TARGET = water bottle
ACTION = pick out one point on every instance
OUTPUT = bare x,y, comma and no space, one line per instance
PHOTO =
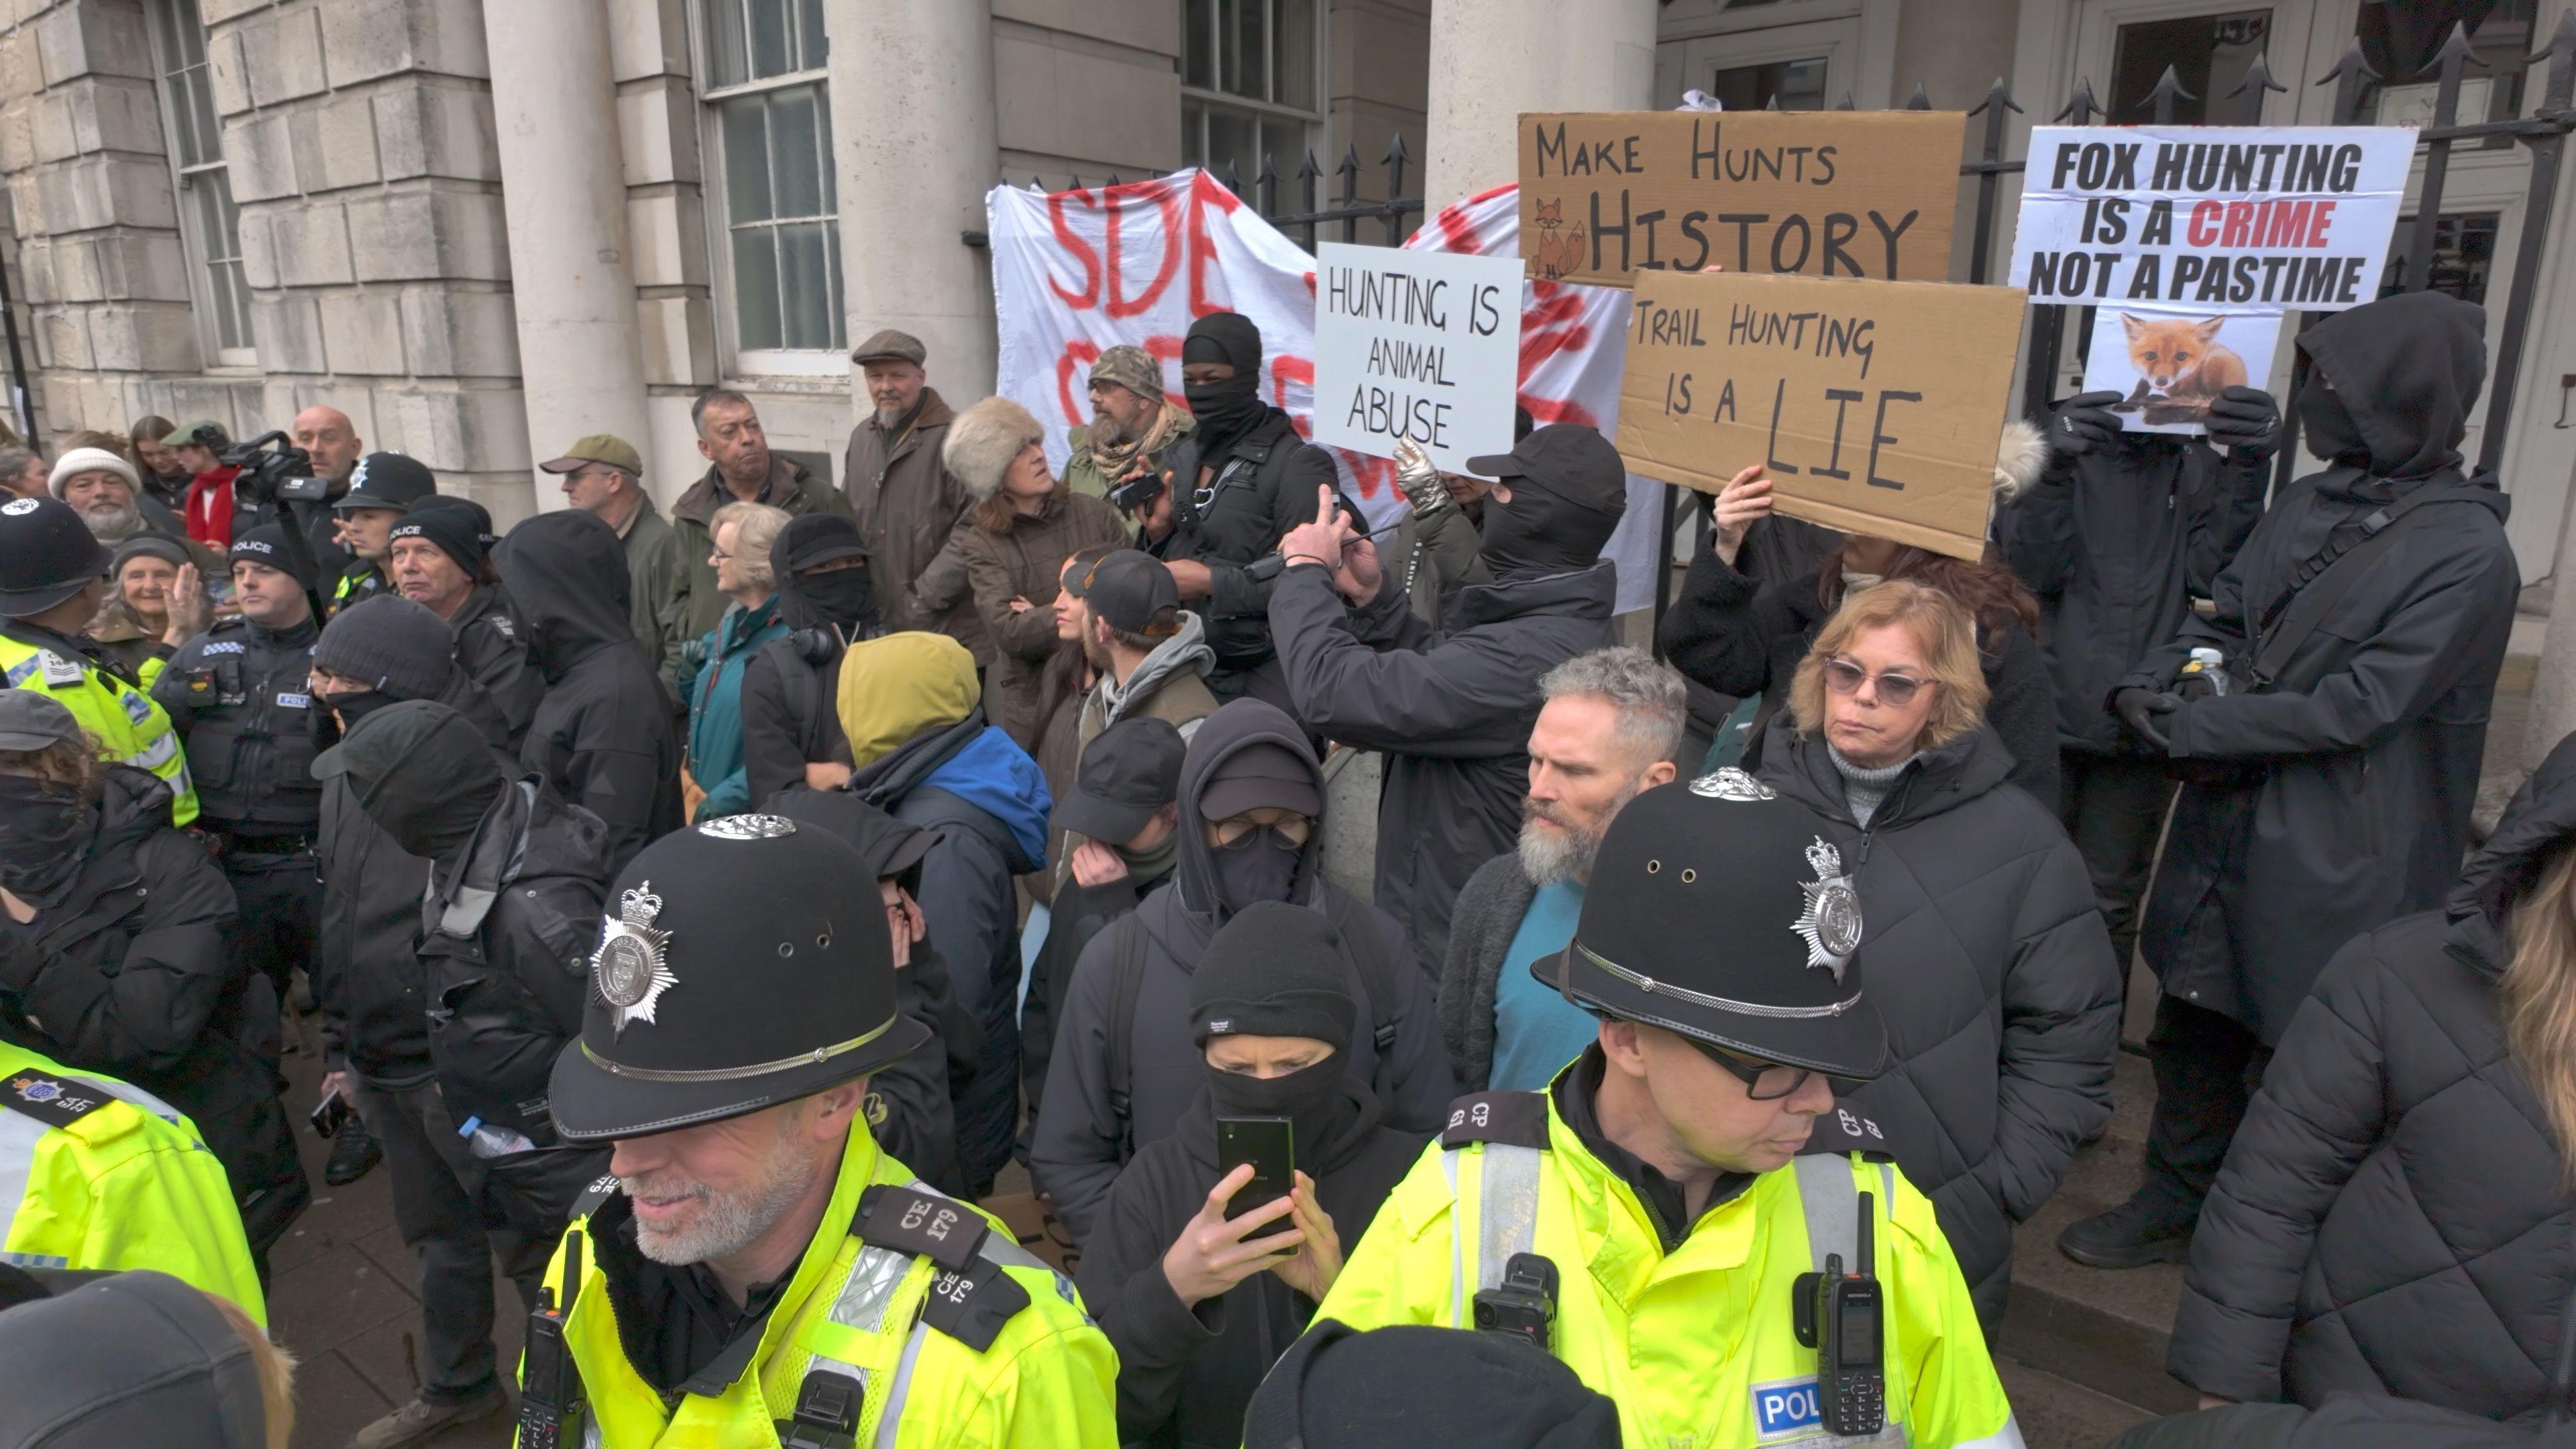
2205,675
489,1140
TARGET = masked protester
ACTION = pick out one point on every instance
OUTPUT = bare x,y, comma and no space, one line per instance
606,735
115,953
1337,1388
1251,803
1196,1301
791,734
1234,491
1452,707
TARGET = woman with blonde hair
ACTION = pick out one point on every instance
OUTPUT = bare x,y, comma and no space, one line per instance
2394,1218
1984,951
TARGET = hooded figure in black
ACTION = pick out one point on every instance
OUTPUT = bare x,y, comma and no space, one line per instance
2336,797
1125,1065
491,642
1414,1384
1237,486
513,911
827,599
1452,707
1273,1016
606,735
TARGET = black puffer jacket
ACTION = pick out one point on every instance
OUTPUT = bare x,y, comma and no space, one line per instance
2391,1218
2363,759
1264,482
131,974
492,647
2115,543
1984,952
1452,709
606,735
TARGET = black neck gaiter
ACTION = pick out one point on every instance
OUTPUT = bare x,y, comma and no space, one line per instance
46,830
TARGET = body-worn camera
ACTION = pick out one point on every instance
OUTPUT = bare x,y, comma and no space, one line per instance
1525,1305
273,469
1839,1315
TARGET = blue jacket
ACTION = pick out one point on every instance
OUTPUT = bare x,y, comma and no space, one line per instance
715,705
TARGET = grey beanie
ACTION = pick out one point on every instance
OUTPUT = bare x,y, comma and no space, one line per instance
391,643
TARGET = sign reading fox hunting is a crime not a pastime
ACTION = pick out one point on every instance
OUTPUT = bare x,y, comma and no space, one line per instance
1610,195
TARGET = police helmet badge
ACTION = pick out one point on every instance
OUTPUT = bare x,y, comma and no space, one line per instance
1831,922
1730,783
628,969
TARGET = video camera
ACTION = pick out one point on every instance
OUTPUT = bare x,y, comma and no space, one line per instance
273,470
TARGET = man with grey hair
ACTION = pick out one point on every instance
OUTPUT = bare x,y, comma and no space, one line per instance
1612,721
741,469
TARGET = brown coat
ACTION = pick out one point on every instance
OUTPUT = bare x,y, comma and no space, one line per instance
788,486
1023,563
907,503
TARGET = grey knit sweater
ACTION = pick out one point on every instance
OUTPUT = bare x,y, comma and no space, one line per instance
1489,912
1864,789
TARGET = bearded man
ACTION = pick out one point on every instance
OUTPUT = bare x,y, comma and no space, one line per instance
1135,429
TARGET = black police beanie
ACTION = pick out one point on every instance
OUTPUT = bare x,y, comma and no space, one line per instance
1338,1388
266,544
451,524
392,644
1274,970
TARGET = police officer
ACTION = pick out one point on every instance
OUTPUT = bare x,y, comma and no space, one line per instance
99,1174
50,588
238,694
710,1291
1676,1217
381,488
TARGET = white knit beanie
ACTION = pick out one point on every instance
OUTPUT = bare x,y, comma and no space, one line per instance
91,460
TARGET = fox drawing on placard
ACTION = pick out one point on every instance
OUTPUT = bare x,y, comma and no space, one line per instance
1557,251
2181,365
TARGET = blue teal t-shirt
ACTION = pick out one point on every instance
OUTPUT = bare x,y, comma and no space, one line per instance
1536,1031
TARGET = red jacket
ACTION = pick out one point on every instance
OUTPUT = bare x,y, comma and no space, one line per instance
210,508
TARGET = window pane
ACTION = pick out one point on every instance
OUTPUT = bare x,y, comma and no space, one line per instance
191,31
2209,54
232,307
1230,139
840,319
769,37
755,287
726,63
1193,133
745,123
804,280
1252,75
1798,85
795,159
823,149
1198,18
1295,49
194,98
2463,255
813,47
1229,50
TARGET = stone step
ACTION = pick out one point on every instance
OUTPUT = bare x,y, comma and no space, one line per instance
2055,1412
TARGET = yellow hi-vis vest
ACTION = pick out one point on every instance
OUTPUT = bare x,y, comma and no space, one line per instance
1697,1347
130,728
996,1354
99,1174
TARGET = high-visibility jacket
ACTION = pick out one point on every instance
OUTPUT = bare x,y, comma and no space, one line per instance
981,1346
1698,1347
99,1174
130,728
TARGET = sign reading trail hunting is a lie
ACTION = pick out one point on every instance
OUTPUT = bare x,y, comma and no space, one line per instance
1606,195
2212,218
1874,406
1416,347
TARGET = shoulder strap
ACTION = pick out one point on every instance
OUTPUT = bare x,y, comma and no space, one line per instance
1126,987
1513,1119
52,1100
2321,582
1385,1003
971,1298
1829,1198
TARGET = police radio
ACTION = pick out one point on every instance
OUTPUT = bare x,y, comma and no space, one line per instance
550,1398
1525,1305
1838,1315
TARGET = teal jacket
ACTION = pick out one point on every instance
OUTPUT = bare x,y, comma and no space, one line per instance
715,704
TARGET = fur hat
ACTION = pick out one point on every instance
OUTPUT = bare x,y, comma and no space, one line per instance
983,441
2021,455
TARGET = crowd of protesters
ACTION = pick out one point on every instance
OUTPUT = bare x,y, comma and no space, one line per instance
361,757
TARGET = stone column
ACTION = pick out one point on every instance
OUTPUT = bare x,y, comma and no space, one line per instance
1494,59
914,149
563,194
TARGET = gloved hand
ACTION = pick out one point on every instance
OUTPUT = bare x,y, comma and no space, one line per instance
2143,711
2245,421
2081,424
1419,480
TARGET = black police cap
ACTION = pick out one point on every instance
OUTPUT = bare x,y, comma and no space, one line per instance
743,962
46,555
1718,910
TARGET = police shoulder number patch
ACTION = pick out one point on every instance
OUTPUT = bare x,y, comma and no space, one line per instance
49,1099
1514,1119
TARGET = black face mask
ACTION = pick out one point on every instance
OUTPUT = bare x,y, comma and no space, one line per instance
1261,866
45,834
330,710
2331,431
841,598
1541,533
1311,1098
1227,406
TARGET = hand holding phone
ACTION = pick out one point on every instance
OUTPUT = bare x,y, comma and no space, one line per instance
1215,1252
332,1115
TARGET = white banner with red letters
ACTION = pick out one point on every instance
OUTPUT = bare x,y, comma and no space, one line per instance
1077,272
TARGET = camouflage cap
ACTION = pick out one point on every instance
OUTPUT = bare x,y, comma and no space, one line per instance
1132,368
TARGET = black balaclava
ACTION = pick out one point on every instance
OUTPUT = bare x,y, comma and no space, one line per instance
46,830
422,773
843,599
1224,409
1278,970
2331,432
1541,532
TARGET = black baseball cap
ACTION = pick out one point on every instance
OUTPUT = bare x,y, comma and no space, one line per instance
1128,771
1719,910
1569,460
387,480
1133,591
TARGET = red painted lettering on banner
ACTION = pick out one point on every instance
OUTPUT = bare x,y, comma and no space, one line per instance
1079,352
1157,194
1205,193
1076,248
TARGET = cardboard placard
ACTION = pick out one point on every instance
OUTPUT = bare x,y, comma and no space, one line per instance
1606,195
1416,346
1875,406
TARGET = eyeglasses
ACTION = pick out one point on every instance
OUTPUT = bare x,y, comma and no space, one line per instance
1844,677
1763,1081
1235,832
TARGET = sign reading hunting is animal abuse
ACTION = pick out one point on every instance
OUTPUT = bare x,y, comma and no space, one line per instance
1416,346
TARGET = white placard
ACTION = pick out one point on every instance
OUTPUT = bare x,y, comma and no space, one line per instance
2168,363
1416,346
2215,219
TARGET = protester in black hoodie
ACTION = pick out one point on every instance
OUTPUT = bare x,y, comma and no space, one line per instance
1124,1064
1452,707
606,735
2336,795
1412,1385
791,735
1197,1305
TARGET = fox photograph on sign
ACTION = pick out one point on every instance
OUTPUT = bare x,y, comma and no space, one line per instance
1874,406
1607,196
